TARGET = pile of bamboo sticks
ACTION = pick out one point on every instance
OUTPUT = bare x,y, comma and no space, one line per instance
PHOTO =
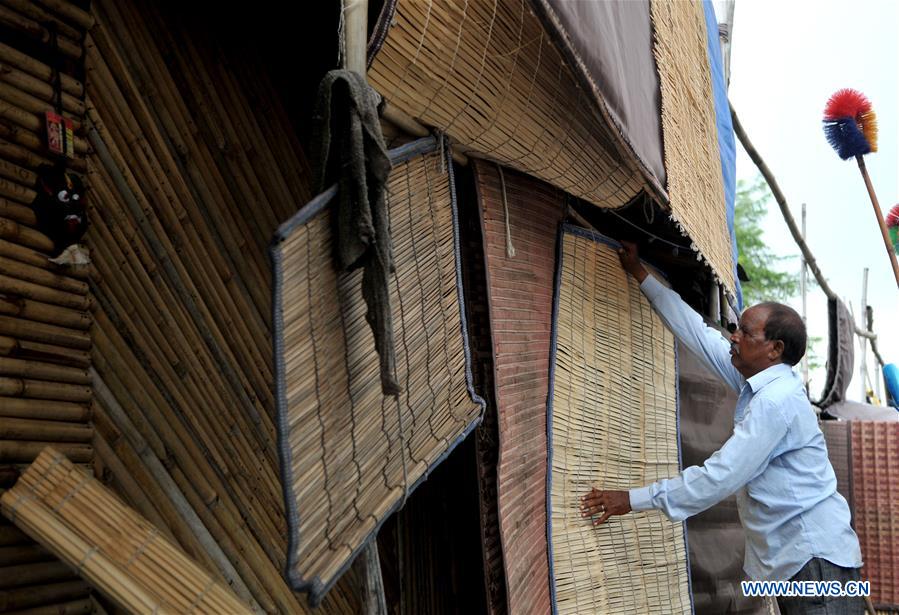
45,318
110,545
193,165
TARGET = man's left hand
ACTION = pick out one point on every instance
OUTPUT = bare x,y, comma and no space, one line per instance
605,503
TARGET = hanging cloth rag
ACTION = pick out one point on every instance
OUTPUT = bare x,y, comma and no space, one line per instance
350,149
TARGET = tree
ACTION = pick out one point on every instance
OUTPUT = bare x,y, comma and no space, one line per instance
766,282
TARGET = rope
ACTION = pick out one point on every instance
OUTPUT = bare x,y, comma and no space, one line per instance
510,249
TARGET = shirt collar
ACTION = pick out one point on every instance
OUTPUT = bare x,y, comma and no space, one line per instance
767,375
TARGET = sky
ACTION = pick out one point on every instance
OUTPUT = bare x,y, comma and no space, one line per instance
787,58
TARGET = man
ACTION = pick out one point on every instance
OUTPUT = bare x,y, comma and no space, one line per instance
796,524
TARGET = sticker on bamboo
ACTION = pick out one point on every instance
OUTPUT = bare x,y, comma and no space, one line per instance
612,425
108,544
350,455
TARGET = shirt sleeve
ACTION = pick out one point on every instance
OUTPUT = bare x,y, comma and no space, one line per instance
743,457
707,343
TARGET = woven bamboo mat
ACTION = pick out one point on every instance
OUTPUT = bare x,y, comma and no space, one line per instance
875,505
71,514
485,72
520,291
839,452
349,454
692,160
613,425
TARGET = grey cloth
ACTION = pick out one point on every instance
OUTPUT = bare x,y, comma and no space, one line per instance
350,149
840,353
819,569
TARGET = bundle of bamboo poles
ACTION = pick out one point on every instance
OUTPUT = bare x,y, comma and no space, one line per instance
193,166
109,544
45,318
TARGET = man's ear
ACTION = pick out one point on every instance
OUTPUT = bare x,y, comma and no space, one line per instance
777,350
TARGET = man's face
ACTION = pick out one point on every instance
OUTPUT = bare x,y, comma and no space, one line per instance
750,352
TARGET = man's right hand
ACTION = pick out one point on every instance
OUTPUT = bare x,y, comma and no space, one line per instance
630,261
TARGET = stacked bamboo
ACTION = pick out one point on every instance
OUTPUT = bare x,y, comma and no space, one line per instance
193,166
45,318
109,544
613,425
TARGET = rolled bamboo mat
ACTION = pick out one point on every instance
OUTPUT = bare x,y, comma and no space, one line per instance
612,425
689,128
486,73
350,455
875,505
526,213
110,545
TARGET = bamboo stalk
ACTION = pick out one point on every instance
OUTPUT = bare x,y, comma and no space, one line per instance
33,574
17,173
21,156
43,371
26,243
69,12
38,389
44,353
34,123
25,554
32,257
15,407
14,451
72,607
43,72
45,431
37,275
35,30
45,312
49,593
33,105
34,12
12,190
16,211
34,142
38,292
39,88
32,330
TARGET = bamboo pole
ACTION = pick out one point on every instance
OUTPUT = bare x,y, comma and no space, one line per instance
39,15
68,11
42,371
48,593
38,389
72,607
38,292
32,105
25,554
37,275
45,312
33,123
44,333
44,353
45,431
23,214
14,451
30,256
11,57
39,88
21,156
17,173
35,30
44,410
34,142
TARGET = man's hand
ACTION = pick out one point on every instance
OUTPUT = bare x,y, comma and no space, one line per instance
630,261
605,503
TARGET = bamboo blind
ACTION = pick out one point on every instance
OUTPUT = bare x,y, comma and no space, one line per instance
613,425
486,73
75,517
349,454
692,160
194,163
875,505
45,314
525,212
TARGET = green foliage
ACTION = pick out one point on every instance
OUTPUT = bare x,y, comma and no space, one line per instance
766,282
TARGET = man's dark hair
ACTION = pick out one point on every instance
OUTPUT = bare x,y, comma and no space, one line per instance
786,325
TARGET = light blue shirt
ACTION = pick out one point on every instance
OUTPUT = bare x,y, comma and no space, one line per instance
775,461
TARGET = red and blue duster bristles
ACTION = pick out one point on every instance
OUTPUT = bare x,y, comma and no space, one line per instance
893,226
850,124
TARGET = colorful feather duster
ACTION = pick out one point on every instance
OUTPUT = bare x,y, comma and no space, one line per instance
893,226
850,127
